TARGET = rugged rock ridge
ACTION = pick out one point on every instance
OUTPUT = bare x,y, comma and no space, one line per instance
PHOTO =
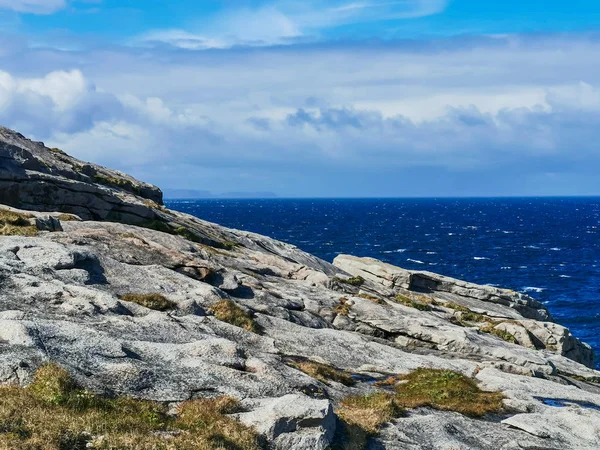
35,177
62,299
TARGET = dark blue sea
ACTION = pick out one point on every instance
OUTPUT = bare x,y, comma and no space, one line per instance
546,247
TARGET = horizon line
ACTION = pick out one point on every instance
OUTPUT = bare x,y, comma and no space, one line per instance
591,196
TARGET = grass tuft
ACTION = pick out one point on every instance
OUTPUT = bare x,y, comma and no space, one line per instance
406,301
157,302
227,311
369,412
68,218
187,234
372,298
230,245
362,416
16,224
468,317
446,390
505,335
343,307
324,372
354,281
122,183
54,414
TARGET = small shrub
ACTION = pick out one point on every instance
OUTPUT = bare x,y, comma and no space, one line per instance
227,311
324,372
157,302
446,390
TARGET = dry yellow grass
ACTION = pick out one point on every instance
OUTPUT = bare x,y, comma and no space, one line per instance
343,307
369,412
363,416
52,414
374,299
157,302
324,372
16,224
228,311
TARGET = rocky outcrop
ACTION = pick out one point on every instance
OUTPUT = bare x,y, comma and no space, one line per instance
63,299
35,177
468,294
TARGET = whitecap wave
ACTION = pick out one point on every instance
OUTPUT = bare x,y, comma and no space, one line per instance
480,258
533,289
415,261
399,250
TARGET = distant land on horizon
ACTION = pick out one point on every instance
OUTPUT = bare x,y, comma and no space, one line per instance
193,194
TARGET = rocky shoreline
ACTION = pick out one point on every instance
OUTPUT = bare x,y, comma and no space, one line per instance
82,249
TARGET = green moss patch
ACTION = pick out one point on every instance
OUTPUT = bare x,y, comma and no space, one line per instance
446,390
420,303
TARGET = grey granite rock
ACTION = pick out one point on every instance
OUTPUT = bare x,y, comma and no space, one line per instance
61,300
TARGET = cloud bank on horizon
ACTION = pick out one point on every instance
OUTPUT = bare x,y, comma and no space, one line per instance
314,98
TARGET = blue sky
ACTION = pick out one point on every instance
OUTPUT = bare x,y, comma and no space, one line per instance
314,97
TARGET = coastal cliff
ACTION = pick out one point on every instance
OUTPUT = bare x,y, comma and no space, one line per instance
132,300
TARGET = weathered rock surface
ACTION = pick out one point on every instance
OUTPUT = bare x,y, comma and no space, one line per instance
60,301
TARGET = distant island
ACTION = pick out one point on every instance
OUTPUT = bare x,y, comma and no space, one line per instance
188,194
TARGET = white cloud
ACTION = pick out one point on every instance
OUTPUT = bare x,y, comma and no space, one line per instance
33,6
487,107
286,21
59,101
326,13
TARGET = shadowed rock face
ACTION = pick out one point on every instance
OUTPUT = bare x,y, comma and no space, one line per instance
33,176
61,301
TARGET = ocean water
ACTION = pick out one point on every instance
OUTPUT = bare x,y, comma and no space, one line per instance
548,248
